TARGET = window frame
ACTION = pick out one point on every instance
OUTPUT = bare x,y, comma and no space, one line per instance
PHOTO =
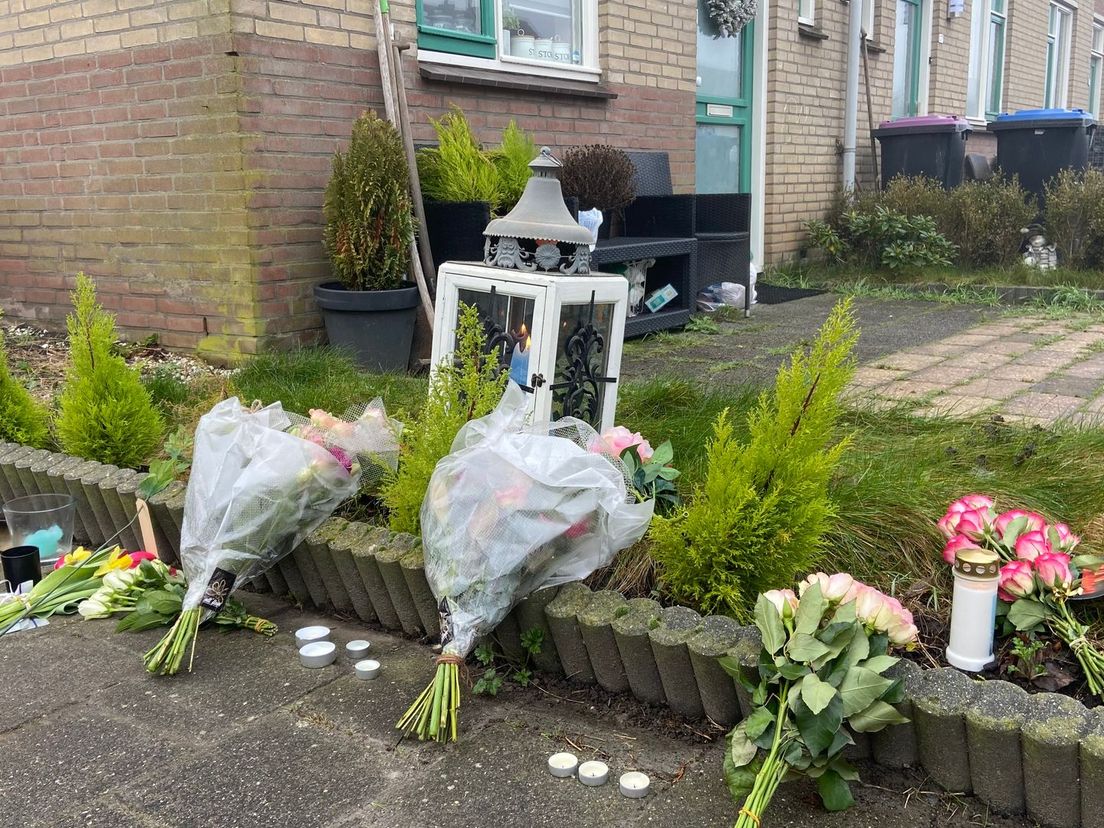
985,74
484,51
806,12
1096,65
1058,51
869,19
916,96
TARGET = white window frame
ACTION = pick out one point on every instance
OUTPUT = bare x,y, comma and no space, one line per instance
1096,58
981,69
868,20
1059,47
806,12
588,70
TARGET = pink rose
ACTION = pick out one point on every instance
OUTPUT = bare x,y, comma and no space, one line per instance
784,600
1031,545
868,604
1035,522
1053,569
578,529
902,631
618,438
834,588
954,545
1017,580
970,503
1061,536
972,523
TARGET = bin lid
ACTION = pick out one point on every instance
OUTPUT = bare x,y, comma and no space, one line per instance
918,124
1035,118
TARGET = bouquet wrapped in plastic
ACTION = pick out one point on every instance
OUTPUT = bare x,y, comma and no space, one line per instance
261,481
513,509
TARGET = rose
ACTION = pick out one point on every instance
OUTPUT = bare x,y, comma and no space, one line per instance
868,603
1017,580
955,544
972,523
618,438
784,600
1061,536
1031,545
969,502
1053,569
141,555
1035,522
834,588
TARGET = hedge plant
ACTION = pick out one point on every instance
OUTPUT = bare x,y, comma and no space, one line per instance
22,419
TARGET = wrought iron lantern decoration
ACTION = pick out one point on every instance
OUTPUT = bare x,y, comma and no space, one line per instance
553,325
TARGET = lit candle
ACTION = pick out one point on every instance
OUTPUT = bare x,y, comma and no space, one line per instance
973,609
562,764
593,773
519,362
369,668
634,784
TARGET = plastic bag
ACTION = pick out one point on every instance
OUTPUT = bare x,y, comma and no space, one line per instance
516,508
261,481
723,294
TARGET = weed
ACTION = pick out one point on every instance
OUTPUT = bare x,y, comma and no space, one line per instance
496,670
702,324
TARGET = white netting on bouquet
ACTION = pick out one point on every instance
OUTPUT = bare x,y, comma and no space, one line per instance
515,508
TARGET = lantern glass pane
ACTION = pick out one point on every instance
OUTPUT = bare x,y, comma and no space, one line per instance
507,320
582,353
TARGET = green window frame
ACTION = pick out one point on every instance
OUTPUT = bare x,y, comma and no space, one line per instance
998,22
437,39
1059,35
1096,66
740,106
912,59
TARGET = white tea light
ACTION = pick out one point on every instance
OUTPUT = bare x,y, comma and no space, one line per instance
369,668
305,635
973,609
562,764
318,654
593,773
357,649
634,784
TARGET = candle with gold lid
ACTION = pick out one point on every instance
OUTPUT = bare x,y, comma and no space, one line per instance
973,609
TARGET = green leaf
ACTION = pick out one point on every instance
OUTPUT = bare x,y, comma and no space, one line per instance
860,688
755,724
879,715
770,626
1013,531
163,602
668,473
819,729
731,666
816,694
740,780
664,454
1027,614
841,740
879,664
741,750
834,792
803,647
810,610
790,670
844,769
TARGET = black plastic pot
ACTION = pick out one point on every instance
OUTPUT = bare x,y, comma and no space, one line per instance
375,326
456,230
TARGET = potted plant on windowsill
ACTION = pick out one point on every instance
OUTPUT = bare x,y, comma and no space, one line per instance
370,309
601,177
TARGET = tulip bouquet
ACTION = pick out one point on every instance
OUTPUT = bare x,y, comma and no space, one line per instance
261,481
1040,575
821,672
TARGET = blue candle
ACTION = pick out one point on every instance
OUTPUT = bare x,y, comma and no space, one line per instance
519,363
46,540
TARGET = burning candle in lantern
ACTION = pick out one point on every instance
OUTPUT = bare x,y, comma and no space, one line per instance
519,362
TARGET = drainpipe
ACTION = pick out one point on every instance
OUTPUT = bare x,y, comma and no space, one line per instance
851,96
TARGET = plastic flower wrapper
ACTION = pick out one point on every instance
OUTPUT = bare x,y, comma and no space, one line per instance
261,481
513,509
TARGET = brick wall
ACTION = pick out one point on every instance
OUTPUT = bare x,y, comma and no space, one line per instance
1025,65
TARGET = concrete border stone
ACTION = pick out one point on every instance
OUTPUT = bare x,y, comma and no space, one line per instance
364,556
1092,772
413,570
630,631
668,635
15,482
717,688
388,557
316,588
994,718
595,620
23,470
530,616
341,551
318,545
939,701
563,622
90,482
1052,735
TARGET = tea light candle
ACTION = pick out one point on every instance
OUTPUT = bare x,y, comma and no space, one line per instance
634,784
593,773
562,764
307,635
357,649
369,668
519,362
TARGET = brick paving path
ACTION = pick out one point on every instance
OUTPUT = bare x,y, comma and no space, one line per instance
1030,370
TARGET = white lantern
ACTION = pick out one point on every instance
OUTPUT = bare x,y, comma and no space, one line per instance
553,325
973,609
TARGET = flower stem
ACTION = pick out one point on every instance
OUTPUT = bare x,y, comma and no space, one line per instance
770,775
434,713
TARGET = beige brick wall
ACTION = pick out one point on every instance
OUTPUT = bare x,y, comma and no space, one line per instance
1025,66
950,61
648,43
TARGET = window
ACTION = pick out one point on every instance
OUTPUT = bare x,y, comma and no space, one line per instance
1096,64
868,19
908,47
1056,93
806,11
541,34
986,72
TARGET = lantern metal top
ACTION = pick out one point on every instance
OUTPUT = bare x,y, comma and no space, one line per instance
541,216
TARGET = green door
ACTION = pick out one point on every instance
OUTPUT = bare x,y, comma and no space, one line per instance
723,156
908,46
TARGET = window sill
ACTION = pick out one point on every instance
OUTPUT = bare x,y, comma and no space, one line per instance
808,30
502,79
874,47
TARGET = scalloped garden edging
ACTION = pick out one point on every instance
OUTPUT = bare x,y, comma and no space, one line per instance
1039,754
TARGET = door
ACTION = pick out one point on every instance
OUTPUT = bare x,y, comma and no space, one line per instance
908,52
723,147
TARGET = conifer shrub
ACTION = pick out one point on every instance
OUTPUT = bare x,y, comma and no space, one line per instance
759,518
22,419
511,159
466,387
104,411
458,169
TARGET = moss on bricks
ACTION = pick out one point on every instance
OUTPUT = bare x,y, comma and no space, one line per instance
163,522
11,474
387,558
318,545
23,469
717,688
595,620
530,616
90,482
364,556
993,721
1052,734
1092,772
896,746
939,712
90,528
413,570
669,635
316,587
341,552
127,491
630,631
562,614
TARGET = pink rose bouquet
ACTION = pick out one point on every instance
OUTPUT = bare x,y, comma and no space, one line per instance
649,470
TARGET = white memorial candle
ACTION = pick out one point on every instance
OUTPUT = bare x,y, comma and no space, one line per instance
634,784
562,764
973,609
593,773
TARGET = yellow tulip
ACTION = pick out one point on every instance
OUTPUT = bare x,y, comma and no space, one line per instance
77,556
116,560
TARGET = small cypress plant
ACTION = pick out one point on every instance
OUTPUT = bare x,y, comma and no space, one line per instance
22,419
104,411
512,159
464,388
759,519
367,207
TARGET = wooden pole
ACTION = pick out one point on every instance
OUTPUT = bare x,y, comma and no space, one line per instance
870,118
